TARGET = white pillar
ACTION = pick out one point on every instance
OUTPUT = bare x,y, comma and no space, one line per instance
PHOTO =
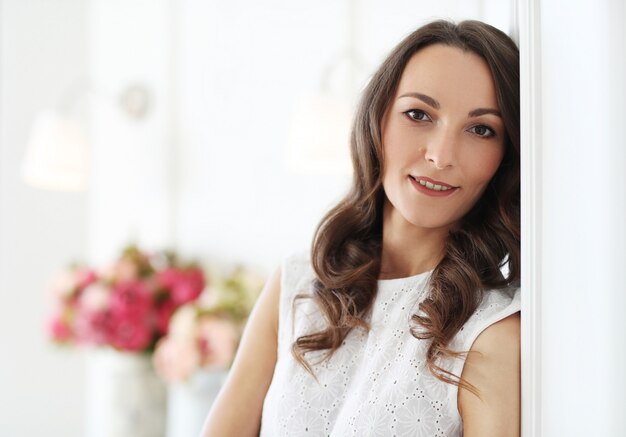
578,262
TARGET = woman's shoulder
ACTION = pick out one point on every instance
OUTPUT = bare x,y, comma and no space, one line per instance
496,304
296,272
297,259
297,278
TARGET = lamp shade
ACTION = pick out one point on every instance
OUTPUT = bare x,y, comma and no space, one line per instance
56,154
319,136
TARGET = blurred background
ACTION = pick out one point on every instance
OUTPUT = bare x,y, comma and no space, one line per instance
188,125
218,129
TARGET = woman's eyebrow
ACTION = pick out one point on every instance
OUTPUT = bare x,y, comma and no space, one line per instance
482,111
436,105
424,98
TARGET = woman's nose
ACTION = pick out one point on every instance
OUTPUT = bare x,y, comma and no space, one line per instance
440,149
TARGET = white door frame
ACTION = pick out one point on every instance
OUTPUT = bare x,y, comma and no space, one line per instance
530,128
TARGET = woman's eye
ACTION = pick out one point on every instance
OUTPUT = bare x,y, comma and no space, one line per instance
417,115
483,131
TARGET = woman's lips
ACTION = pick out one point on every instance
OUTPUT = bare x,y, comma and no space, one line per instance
432,181
430,187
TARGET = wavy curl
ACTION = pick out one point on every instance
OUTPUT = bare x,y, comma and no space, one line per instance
346,248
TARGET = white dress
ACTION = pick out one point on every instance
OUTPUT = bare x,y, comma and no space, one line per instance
376,383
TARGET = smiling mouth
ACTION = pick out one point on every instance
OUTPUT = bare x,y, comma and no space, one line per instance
432,185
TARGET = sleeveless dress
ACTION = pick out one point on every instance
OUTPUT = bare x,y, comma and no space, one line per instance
376,383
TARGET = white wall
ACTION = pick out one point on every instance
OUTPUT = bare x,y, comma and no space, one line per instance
130,198
582,254
42,53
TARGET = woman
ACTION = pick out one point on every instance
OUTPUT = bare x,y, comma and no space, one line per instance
369,335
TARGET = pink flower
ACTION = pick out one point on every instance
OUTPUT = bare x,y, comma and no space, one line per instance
183,324
59,329
164,311
130,332
64,284
168,277
131,316
131,297
217,341
125,270
85,277
175,360
94,327
185,285
96,297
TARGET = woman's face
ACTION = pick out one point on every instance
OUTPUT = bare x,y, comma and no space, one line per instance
442,129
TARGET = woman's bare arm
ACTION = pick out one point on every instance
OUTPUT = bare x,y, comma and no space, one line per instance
494,369
237,409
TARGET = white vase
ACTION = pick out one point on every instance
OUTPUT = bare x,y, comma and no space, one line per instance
189,402
125,398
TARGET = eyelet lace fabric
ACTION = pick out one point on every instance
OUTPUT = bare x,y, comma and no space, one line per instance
376,383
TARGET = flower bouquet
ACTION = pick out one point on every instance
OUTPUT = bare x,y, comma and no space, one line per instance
204,333
123,310
195,355
127,305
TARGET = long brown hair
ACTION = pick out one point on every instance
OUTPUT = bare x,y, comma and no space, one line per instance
346,249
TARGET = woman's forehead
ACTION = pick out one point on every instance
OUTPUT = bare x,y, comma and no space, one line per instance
449,75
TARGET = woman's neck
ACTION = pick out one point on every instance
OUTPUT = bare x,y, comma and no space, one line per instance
408,250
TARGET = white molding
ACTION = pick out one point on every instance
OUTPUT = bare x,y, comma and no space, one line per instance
530,124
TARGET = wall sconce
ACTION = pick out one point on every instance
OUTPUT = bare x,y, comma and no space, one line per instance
57,152
319,134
